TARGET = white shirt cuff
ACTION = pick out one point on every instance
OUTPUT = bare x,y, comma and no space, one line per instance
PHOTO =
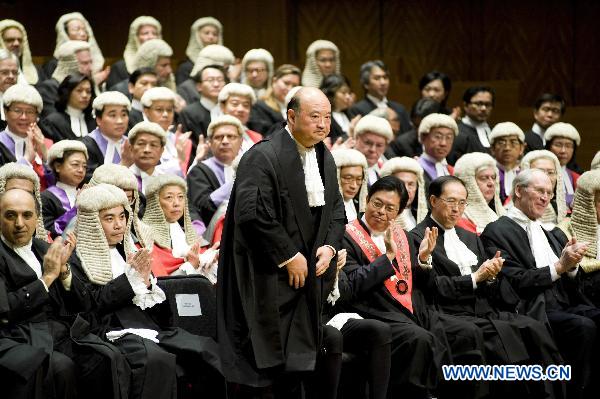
144,298
553,273
188,269
45,286
573,273
474,282
288,261
333,249
425,265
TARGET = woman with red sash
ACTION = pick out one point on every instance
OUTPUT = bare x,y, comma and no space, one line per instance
387,276
177,249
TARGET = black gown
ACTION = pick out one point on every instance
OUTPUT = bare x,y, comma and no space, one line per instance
202,181
364,106
118,72
533,141
57,126
264,120
183,71
561,303
48,89
405,145
264,325
195,118
188,91
465,142
421,341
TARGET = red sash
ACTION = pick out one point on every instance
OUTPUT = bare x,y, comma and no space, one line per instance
400,284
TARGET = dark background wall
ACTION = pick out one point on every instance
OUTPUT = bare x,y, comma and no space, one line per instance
522,48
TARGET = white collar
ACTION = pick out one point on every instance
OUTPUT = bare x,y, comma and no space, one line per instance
179,244
26,246
15,137
207,103
435,161
115,142
26,254
71,191
383,103
74,112
117,262
351,214
315,190
371,231
137,105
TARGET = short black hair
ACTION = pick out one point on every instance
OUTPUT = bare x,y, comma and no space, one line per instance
198,77
294,103
138,73
472,91
435,75
436,188
390,183
331,84
550,98
424,107
66,87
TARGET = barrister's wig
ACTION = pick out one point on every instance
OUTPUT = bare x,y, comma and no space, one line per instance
224,120
596,161
26,65
562,129
15,170
154,216
376,125
148,54
62,36
195,45
58,149
432,121
262,55
23,93
120,176
236,89
406,164
478,210
312,76
549,216
214,54
92,246
133,43
157,94
584,222
67,58
504,129
350,157
150,128
110,98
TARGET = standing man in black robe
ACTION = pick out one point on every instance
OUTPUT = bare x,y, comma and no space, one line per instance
284,221
544,269
467,286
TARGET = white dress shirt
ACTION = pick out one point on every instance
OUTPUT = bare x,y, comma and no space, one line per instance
350,210
383,103
342,120
537,129
409,220
78,125
482,128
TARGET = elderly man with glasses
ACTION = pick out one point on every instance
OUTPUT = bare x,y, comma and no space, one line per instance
543,267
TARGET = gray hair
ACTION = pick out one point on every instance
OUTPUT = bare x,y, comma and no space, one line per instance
5,55
365,70
524,178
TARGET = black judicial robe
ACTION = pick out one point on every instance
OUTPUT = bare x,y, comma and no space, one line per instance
404,145
533,141
183,71
504,332
188,91
122,87
48,89
264,325
95,157
421,341
135,117
57,126
535,287
155,367
465,142
195,118
364,106
118,72
202,181
263,119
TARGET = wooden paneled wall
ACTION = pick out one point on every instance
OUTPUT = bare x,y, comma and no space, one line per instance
523,48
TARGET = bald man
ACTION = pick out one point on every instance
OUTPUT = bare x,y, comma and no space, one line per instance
284,222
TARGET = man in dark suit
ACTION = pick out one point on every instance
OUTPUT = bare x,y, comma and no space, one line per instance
139,82
547,110
375,80
544,269
284,221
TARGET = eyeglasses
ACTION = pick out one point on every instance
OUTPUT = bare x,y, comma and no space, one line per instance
481,104
510,143
454,203
230,137
213,80
440,137
27,112
350,179
560,146
161,110
376,204
541,192
369,144
250,71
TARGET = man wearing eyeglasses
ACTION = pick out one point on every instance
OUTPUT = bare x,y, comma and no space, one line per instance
437,133
389,277
473,128
548,109
467,286
507,143
372,135
543,267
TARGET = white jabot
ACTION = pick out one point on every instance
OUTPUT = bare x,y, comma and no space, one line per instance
378,237
482,128
537,129
567,181
78,125
69,190
538,242
144,175
378,103
441,167
350,210
409,220
342,120
315,191
111,147
178,240
458,252
137,105
19,144
117,263
373,174
28,256
206,103
509,177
